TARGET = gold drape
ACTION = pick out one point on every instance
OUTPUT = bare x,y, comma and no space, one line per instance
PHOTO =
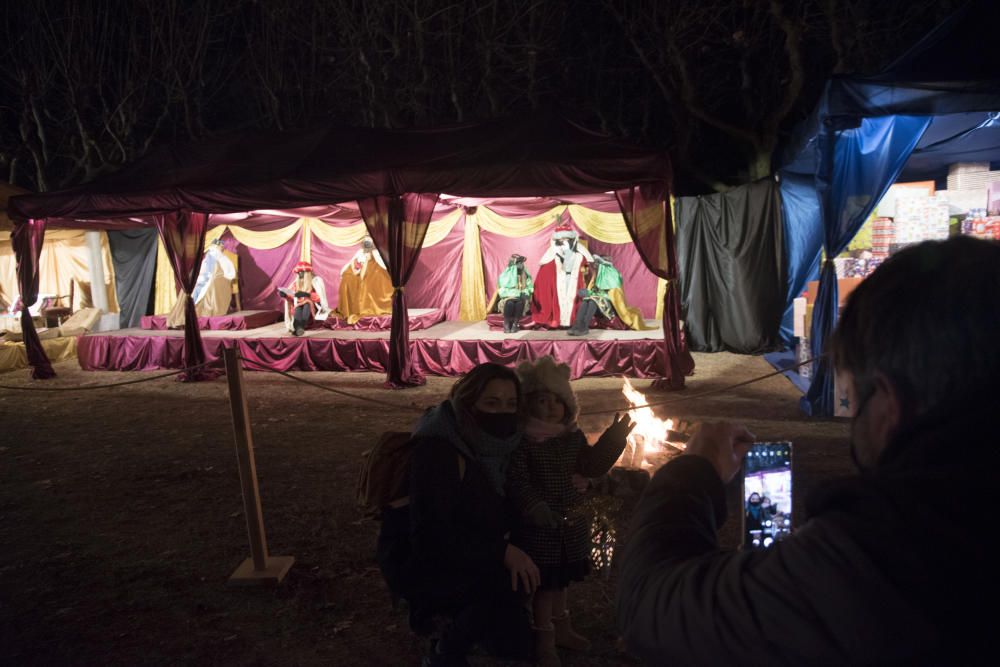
604,227
661,291
630,315
517,227
472,300
258,240
346,236
14,356
64,259
438,230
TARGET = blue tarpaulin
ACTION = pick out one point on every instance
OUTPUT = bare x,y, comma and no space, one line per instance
936,106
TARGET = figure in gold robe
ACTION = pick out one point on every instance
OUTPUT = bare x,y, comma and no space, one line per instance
365,286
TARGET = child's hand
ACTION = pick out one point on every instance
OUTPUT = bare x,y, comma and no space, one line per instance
620,427
541,515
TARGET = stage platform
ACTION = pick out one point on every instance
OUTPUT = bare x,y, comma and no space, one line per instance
449,348
420,318
238,321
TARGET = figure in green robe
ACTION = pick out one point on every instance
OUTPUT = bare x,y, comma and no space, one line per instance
513,295
604,297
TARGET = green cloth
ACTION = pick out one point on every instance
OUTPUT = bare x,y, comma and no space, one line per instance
608,278
507,284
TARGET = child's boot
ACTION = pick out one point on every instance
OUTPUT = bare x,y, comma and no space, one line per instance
545,648
566,636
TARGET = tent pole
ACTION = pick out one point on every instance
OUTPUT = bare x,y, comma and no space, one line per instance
260,568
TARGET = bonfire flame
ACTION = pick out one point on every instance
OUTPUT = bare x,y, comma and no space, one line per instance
646,447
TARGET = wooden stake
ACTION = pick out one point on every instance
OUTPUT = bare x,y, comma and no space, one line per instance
260,568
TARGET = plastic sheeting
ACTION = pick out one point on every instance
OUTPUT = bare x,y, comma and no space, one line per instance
803,235
859,166
133,252
955,91
731,257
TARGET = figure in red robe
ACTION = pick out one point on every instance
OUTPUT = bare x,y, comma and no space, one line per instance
560,279
305,299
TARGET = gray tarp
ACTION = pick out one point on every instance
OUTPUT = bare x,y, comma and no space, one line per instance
133,252
732,268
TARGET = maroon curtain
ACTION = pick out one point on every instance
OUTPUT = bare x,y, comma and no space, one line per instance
647,217
183,236
27,241
398,225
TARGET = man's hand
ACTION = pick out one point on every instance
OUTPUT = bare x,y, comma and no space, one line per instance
724,444
522,569
580,483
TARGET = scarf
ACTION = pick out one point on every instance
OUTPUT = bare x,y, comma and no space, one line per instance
537,430
492,453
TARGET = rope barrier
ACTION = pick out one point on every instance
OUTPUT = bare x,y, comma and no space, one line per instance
400,406
414,408
710,392
397,406
113,384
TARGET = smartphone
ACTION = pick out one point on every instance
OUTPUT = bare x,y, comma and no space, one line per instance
767,494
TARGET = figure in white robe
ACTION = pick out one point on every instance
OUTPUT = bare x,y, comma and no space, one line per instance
213,291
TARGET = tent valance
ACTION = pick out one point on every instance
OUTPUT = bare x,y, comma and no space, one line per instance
544,155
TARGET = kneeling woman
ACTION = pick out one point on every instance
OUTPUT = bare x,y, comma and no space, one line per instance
462,565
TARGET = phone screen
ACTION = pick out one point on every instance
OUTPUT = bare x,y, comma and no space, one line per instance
767,494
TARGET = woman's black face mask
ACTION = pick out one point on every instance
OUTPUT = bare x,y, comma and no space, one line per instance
497,424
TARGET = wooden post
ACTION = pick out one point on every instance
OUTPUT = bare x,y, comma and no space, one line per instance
260,568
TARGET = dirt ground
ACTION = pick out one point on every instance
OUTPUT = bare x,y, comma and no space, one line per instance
121,515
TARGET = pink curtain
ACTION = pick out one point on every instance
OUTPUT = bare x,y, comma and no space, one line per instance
183,236
647,217
27,241
262,272
437,278
398,225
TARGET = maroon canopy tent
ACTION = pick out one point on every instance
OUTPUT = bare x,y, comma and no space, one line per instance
396,176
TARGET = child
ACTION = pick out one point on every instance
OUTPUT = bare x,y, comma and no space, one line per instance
539,482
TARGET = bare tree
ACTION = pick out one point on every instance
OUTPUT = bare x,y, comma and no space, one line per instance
90,85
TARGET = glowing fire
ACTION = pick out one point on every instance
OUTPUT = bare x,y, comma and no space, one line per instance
647,444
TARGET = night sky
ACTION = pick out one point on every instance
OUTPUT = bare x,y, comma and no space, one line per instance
89,86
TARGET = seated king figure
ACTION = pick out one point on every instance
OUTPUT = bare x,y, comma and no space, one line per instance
559,279
605,298
365,286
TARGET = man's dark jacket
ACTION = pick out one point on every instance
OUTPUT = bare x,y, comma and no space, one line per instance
892,566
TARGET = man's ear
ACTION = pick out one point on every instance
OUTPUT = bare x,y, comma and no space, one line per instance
885,409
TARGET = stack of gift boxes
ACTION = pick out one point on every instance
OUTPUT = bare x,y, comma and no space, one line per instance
920,219
982,226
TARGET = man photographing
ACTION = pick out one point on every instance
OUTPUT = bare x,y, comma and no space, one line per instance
892,565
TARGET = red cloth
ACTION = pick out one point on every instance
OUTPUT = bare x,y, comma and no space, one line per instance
545,310
183,236
648,220
398,225
27,241
641,358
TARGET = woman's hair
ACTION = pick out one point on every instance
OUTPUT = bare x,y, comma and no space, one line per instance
750,497
467,391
